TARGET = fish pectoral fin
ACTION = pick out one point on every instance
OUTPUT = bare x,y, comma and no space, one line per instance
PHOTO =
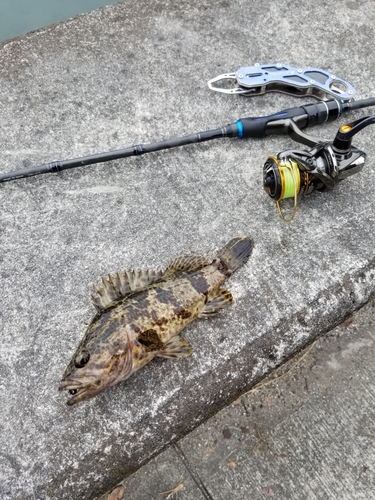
122,284
216,302
186,263
177,347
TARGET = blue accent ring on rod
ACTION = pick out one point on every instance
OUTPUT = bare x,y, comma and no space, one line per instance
240,128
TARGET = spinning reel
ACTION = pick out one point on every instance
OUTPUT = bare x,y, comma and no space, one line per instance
321,168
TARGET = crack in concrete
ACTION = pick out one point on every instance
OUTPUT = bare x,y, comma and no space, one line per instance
193,474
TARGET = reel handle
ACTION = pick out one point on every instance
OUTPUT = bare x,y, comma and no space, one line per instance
343,140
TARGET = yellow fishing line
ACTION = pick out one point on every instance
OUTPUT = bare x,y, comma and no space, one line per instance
291,184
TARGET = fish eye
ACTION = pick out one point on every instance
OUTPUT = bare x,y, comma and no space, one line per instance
82,359
73,391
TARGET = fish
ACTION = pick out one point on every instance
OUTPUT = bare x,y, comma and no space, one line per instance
140,314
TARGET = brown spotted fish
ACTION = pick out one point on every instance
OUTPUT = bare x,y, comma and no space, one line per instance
141,314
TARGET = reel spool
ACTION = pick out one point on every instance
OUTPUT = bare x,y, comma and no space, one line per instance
284,178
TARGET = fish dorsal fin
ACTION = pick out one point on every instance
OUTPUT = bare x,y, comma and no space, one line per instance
119,286
186,263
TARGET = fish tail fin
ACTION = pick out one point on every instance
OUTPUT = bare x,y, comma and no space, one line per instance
235,253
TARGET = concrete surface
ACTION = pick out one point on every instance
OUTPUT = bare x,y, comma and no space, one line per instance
133,73
306,433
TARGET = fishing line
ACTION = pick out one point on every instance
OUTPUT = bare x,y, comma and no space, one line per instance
291,185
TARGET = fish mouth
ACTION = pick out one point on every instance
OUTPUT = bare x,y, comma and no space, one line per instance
80,391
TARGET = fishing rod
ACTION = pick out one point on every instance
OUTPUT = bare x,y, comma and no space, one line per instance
247,81
244,128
